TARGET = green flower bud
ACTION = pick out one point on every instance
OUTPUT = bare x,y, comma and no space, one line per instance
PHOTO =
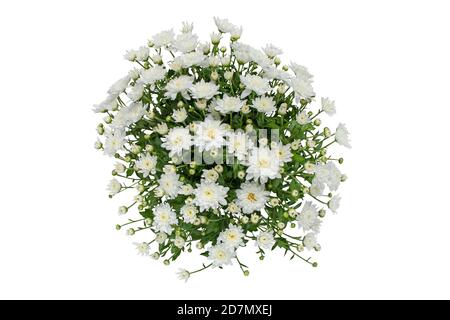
166,262
317,122
246,273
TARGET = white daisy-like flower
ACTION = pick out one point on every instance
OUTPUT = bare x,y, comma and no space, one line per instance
309,241
301,72
114,187
328,106
161,237
328,173
189,213
136,92
179,85
265,240
232,237
187,27
114,142
128,115
309,217
236,33
170,184
163,38
220,255
283,152
210,134
317,187
130,55
263,164
229,104
146,164
223,25
151,75
142,248
179,115
183,274
142,53
162,128
271,51
238,144
109,104
176,141
233,208
204,90
164,219
119,86
254,83
302,118
186,42
342,135
210,195
334,203
210,175
192,59
302,88
186,189
274,73
179,242
252,197
264,104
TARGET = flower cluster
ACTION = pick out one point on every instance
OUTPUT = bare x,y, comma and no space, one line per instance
223,146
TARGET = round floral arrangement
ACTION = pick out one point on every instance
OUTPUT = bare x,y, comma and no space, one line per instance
223,146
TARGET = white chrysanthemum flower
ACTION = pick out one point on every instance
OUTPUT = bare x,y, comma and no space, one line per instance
151,75
142,248
210,175
210,195
179,115
186,190
223,25
334,203
162,128
229,104
163,38
328,106
232,237
179,242
271,51
264,104
142,53
265,240
169,168
210,134
161,237
309,241
252,197
183,274
136,92
309,217
328,173
317,187
189,213
192,59
176,141
119,86
204,90
109,104
301,72
283,152
238,144
114,187
146,164
170,184
342,135
274,73
164,219
128,115
254,83
179,85
114,142
187,27
263,164
220,255
302,88
130,55
186,42
119,168
302,118
233,208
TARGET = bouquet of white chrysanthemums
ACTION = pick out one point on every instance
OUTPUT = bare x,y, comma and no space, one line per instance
218,143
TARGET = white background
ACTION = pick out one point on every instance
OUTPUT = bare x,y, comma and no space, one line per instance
386,63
